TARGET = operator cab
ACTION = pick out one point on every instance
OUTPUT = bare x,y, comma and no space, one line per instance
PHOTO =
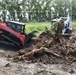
16,26
54,21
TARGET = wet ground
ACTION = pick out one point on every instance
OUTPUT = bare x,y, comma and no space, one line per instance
56,66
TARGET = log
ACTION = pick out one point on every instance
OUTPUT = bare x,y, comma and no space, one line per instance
34,51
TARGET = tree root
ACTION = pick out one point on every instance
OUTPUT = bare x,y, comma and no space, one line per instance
34,51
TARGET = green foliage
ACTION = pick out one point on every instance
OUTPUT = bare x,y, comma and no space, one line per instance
39,10
74,25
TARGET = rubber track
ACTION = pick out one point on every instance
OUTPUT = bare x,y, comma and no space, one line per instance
10,40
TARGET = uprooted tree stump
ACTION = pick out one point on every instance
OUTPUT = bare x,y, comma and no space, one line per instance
54,46
65,52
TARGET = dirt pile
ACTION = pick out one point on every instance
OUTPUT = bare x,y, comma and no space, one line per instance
47,50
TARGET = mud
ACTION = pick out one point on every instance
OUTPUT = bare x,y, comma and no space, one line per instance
40,64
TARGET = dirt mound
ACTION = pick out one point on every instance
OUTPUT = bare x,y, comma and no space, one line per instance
46,49
46,56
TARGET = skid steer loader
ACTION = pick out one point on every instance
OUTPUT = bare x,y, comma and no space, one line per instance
14,32
67,25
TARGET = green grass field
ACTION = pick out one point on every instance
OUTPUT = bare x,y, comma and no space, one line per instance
74,25
40,26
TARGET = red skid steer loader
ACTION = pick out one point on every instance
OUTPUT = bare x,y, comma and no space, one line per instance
14,32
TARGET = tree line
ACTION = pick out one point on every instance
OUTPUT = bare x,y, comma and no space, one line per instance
36,10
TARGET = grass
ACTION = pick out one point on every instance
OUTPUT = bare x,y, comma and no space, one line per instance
74,25
40,26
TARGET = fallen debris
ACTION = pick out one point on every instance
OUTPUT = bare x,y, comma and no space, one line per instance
46,49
